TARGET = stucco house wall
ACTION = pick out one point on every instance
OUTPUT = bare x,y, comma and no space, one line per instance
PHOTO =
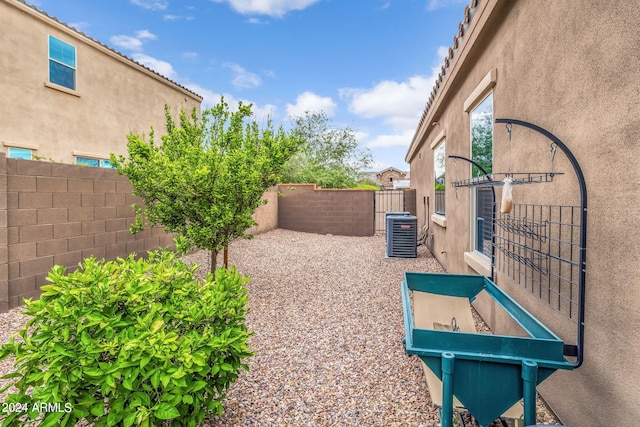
114,95
573,69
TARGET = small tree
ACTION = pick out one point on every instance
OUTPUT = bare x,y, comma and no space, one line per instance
207,177
329,157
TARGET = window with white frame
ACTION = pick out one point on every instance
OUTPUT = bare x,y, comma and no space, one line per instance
482,154
62,63
439,160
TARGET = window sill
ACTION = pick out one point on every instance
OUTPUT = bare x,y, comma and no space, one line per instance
478,263
20,145
62,89
441,220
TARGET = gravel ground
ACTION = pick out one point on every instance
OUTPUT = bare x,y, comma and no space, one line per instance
327,316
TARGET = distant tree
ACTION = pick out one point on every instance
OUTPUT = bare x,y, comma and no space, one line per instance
329,157
482,143
207,177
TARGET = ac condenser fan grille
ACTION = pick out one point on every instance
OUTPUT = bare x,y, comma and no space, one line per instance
402,236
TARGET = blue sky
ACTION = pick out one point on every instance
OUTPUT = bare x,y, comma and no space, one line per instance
369,64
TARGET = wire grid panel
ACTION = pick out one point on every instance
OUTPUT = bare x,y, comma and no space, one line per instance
538,246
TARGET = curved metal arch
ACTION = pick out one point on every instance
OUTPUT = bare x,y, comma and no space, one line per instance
493,211
578,350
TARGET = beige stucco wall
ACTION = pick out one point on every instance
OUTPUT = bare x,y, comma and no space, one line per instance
114,95
573,69
266,215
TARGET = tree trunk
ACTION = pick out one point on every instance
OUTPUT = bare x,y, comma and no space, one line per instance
214,256
226,257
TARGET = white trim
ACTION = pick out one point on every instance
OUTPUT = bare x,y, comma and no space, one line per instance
483,88
478,262
438,139
91,155
20,145
440,220
62,89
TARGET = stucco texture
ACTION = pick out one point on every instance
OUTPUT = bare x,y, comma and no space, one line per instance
114,96
573,69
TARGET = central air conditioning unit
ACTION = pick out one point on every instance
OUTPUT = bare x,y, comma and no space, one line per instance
390,213
402,236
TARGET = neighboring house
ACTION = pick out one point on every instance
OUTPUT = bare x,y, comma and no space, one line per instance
388,176
69,98
573,70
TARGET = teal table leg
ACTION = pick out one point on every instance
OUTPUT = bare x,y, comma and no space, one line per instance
446,415
530,379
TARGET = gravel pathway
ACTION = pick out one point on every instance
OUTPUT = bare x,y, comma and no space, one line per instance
327,316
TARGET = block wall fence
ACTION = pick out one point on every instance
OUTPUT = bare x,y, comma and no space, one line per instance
54,213
302,207
59,214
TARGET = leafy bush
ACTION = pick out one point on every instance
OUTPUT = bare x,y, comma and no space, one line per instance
129,342
367,187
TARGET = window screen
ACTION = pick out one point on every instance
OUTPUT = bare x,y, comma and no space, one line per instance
62,63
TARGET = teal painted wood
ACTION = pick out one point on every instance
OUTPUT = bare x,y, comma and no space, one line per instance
491,372
455,285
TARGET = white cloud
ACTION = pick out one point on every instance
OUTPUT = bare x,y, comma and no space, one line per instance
151,4
145,35
126,42
161,67
397,140
263,113
309,101
170,17
243,78
275,8
132,43
190,55
399,105
211,98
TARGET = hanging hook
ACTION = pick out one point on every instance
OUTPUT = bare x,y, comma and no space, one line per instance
554,147
509,126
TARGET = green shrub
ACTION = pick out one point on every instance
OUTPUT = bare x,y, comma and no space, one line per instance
129,342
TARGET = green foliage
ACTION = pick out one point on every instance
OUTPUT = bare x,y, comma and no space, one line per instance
439,187
368,183
130,342
207,177
329,158
367,187
482,137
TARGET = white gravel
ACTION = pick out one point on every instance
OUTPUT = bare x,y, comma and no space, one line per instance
327,316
